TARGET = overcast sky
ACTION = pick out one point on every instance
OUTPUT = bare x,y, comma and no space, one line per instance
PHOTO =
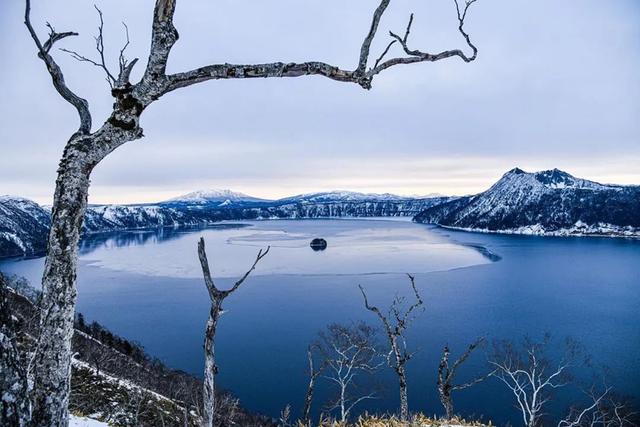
555,85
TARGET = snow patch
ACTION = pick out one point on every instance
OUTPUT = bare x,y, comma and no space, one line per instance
75,421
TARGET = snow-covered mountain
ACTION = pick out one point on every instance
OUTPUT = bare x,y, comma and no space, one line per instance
24,224
214,196
550,202
342,196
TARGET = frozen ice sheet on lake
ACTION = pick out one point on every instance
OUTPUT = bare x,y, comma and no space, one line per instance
354,247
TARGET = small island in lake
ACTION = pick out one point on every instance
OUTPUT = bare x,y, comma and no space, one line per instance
318,244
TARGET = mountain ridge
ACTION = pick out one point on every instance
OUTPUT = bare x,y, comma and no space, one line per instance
551,202
24,224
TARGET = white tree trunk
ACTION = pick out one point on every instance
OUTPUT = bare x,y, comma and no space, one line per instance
52,374
210,368
404,401
53,357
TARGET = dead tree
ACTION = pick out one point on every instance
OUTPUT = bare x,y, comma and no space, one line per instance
348,352
395,324
314,373
604,409
87,147
530,375
446,376
217,297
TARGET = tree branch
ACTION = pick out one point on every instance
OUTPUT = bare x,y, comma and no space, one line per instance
125,66
80,104
415,56
259,257
101,63
165,35
214,292
366,44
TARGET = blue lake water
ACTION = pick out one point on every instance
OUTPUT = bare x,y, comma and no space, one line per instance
147,286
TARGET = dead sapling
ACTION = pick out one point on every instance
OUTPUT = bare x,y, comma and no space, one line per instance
349,353
315,370
395,324
217,297
447,373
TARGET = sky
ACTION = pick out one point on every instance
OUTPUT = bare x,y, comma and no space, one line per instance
555,85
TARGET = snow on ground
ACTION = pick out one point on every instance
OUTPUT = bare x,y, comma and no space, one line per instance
118,381
84,422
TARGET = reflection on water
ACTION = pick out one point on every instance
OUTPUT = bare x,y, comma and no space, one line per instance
121,239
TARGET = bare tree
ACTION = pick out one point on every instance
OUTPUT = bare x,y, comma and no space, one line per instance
314,373
604,409
217,297
348,352
446,376
86,148
531,375
395,324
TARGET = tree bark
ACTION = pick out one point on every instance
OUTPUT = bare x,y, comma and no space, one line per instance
210,368
53,349
404,400
395,330
217,297
15,408
308,398
53,357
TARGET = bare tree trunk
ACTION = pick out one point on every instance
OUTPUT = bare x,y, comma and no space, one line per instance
395,326
217,297
308,399
446,375
404,400
53,352
210,368
53,357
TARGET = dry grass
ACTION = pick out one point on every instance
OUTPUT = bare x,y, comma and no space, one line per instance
417,420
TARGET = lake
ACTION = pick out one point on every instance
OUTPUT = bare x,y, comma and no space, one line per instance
147,287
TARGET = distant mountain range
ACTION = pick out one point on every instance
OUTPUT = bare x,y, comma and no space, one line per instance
215,196
543,203
24,224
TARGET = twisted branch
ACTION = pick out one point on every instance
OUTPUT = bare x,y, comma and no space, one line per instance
165,32
80,104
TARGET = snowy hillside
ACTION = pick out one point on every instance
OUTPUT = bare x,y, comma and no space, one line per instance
24,224
544,203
